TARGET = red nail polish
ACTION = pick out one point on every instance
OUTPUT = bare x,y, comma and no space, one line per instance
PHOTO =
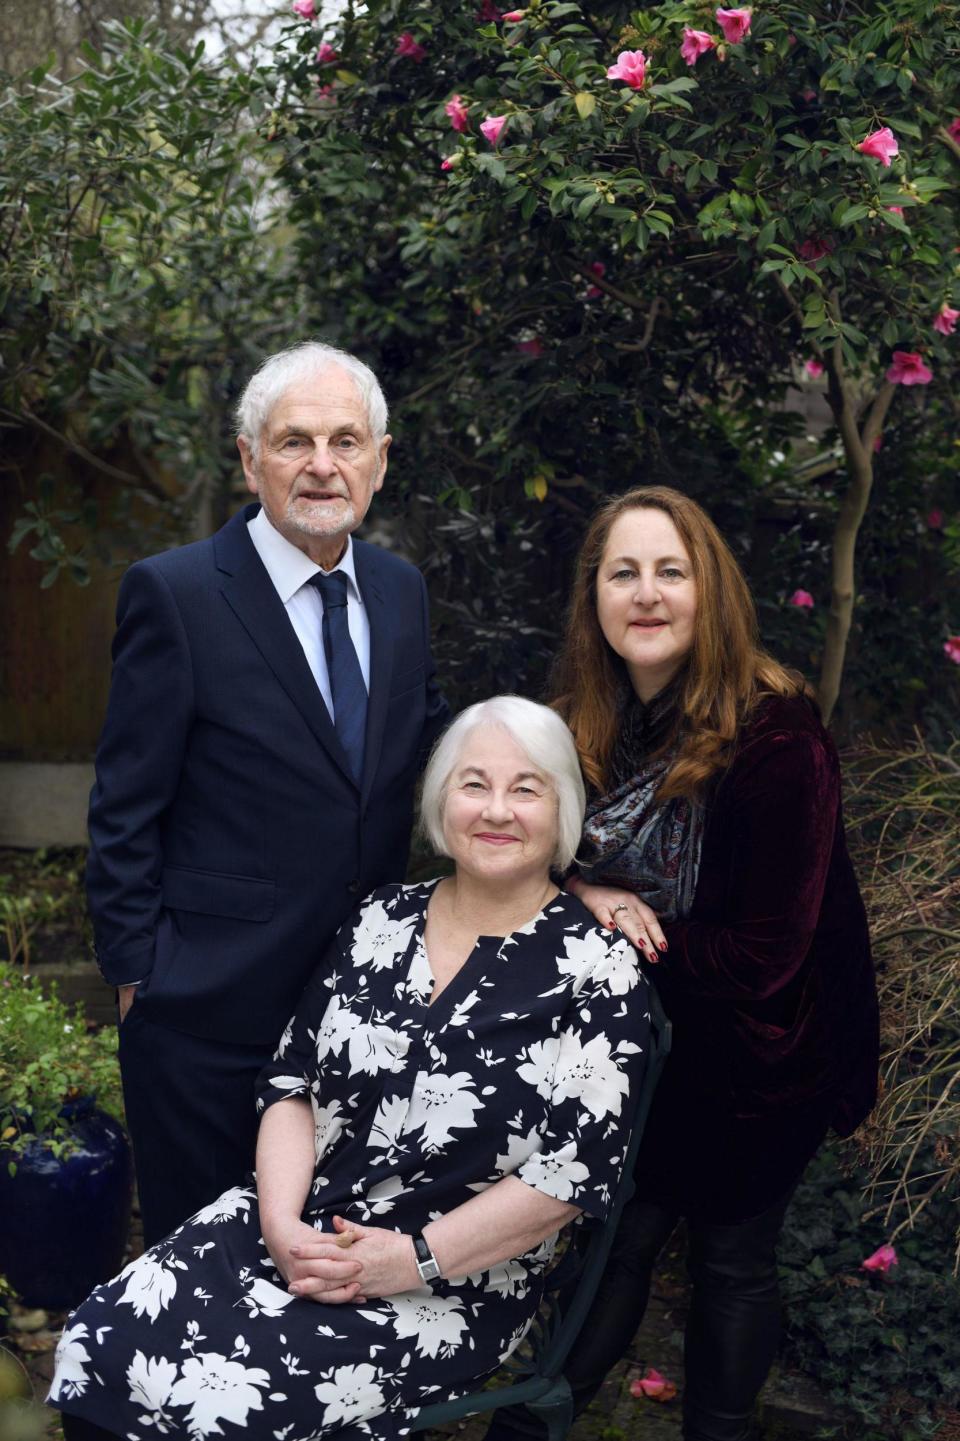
663,945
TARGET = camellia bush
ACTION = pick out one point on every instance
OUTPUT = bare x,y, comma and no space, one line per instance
590,245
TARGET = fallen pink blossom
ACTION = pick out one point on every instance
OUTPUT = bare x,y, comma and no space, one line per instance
654,1386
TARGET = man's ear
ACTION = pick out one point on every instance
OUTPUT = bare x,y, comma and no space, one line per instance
384,447
249,467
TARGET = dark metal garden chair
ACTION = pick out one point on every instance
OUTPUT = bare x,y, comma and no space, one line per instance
540,1383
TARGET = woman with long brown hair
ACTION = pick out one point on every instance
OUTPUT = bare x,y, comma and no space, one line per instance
714,841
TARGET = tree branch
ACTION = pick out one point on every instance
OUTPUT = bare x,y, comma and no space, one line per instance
142,482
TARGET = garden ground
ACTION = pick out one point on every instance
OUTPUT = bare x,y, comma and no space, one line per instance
791,1406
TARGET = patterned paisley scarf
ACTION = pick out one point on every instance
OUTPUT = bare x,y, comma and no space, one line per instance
652,850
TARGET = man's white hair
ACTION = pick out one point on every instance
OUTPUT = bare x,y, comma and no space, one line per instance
301,362
544,737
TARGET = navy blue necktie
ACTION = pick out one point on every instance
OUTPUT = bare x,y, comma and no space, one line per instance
346,678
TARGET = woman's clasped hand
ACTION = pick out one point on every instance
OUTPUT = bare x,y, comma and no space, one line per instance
455,1086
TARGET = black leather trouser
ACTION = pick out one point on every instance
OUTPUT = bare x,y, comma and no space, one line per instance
733,1325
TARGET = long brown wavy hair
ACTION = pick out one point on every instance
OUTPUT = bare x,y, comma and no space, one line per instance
726,673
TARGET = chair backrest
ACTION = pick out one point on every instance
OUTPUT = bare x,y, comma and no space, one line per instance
553,1335
558,1346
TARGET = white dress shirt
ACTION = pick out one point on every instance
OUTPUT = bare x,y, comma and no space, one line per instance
290,571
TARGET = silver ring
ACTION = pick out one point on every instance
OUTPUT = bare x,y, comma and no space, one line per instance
621,907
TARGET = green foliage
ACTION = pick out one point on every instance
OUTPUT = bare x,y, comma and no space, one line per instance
886,1347
516,370
48,1057
136,280
42,906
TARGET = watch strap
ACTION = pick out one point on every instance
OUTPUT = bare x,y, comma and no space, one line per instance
427,1263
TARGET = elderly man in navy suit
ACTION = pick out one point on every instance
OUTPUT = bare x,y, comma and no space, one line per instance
272,700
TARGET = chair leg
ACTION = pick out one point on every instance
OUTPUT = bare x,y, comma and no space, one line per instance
555,1409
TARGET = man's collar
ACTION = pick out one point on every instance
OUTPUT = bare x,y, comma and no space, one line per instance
288,567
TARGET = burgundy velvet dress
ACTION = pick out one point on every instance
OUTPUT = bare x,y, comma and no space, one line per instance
769,983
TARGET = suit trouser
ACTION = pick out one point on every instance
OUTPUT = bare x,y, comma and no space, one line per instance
733,1325
191,1117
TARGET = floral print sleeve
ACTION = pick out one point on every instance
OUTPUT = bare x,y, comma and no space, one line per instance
589,1073
293,1068
526,1064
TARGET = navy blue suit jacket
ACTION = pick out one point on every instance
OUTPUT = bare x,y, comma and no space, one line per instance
228,840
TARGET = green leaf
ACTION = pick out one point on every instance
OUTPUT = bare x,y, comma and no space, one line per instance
854,213
586,104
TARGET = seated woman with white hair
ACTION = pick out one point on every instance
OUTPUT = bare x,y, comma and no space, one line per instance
452,1090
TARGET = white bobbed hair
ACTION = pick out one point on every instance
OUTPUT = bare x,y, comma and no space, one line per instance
544,737
301,362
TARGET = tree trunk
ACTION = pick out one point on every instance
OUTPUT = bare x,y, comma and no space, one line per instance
858,448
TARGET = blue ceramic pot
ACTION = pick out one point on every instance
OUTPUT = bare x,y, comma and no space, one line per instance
65,1222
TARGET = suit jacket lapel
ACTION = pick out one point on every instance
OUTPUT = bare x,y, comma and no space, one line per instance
250,593
381,659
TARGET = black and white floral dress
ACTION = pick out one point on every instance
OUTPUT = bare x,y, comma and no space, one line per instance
523,1066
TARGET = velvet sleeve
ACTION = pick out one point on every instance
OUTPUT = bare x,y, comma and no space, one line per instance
779,815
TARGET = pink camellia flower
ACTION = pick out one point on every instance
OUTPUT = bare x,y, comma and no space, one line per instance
512,16
814,368
815,247
935,520
326,93
489,11
533,348
735,24
304,8
446,164
326,54
598,269
882,1259
951,649
881,145
492,128
631,68
409,48
695,44
908,369
946,319
953,129
896,210
801,598
808,95
457,112
654,1386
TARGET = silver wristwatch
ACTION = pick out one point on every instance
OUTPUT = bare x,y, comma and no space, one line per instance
427,1263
